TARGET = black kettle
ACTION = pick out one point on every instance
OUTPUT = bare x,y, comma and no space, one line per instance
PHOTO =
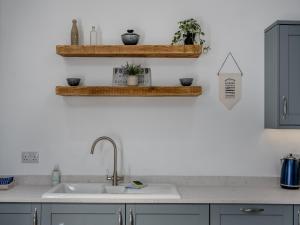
290,172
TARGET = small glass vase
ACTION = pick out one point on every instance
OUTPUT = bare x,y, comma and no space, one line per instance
93,36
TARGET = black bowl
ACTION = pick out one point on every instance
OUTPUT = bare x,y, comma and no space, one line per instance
186,81
73,81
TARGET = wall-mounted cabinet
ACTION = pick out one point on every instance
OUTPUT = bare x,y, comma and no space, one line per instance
282,75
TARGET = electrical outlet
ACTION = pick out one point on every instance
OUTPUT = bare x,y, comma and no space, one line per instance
30,157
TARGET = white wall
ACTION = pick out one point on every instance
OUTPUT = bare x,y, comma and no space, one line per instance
156,136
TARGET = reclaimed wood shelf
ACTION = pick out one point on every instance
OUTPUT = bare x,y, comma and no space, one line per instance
153,51
154,91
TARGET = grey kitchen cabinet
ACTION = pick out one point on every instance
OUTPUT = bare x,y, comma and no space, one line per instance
297,215
114,214
83,214
224,214
167,214
282,75
20,214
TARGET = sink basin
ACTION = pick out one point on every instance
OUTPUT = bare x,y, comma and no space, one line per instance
105,191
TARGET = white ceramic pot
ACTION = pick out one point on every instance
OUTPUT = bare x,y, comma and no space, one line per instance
132,80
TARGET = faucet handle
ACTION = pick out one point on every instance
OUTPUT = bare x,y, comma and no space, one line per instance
107,176
120,178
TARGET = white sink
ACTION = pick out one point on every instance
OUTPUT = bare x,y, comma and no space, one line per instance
105,191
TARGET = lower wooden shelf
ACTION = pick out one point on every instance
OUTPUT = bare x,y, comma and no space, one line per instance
154,91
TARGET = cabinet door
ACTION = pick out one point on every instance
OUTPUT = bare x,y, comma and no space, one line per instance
251,215
289,75
19,214
83,214
297,215
167,214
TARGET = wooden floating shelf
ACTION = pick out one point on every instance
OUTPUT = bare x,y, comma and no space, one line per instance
154,51
154,91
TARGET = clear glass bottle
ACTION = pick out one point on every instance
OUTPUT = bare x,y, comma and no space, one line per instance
56,176
93,36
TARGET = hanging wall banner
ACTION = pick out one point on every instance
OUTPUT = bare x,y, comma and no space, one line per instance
230,89
230,85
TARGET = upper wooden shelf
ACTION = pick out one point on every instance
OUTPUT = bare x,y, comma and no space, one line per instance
154,91
153,51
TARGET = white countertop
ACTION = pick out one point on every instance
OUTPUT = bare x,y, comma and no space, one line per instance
189,194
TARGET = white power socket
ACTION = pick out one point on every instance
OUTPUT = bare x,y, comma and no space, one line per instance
30,157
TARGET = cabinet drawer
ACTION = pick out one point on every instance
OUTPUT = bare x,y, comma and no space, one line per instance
167,214
224,214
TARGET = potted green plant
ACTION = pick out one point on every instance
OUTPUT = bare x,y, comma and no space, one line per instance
189,33
132,71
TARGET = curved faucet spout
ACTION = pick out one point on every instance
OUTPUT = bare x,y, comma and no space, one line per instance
114,178
104,138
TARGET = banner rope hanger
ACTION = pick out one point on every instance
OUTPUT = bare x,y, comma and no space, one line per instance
230,54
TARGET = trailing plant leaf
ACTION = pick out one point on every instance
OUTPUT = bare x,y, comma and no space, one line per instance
189,26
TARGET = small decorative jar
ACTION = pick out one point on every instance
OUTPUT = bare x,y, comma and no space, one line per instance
130,38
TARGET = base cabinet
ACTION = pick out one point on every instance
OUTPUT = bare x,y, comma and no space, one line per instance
167,214
20,214
251,214
83,214
297,215
119,214
148,214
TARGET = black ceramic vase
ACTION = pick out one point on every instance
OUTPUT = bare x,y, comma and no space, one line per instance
189,39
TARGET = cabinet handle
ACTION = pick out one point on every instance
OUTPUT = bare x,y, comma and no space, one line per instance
131,222
251,210
35,215
120,219
284,107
